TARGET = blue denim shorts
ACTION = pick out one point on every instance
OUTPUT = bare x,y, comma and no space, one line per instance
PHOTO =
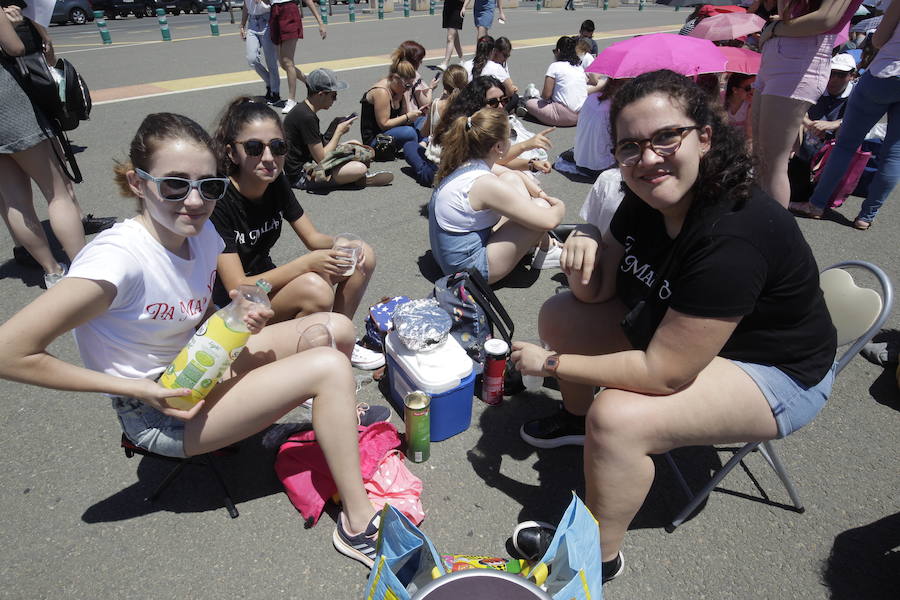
793,404
483,12
458,251
148,428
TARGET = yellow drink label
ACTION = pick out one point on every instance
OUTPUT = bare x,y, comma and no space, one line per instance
201,363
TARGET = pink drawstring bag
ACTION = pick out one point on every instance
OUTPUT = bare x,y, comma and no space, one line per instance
850,178
393,483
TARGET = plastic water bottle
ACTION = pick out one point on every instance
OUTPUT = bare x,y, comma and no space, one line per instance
531,92
201,363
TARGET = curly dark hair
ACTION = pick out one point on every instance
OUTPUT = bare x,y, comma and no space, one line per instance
469,101
726,170
238,113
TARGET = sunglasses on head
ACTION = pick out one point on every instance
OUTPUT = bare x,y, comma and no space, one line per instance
495,102
664,142
278,147
176,189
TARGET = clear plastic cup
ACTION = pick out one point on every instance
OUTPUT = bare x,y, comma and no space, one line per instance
315,336
533,383
350,246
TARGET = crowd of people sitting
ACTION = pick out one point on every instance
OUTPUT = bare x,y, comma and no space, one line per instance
688,280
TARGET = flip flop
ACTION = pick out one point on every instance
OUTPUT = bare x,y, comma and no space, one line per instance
861,225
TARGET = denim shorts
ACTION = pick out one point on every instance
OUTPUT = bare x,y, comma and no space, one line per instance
458,251
148,428
483,13
793,404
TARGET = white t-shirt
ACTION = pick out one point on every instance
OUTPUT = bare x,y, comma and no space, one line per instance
603,200
593,148
491,68
160,298
452,210
586,59
571,84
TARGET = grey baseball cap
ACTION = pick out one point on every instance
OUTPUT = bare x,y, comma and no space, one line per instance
324,80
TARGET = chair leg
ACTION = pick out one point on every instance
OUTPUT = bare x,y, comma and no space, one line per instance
708,488
768,452
679,476
168,479
229,503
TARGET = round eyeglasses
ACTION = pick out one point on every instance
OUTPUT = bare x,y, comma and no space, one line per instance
176,189
664,142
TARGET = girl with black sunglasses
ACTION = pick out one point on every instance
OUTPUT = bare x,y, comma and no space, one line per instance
134,297
251,148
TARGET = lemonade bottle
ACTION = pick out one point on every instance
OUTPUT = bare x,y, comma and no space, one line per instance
218,341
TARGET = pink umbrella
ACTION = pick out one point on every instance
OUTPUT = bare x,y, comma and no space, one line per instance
729,26
741,60
645,53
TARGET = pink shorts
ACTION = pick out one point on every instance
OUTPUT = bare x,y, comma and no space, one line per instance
796,67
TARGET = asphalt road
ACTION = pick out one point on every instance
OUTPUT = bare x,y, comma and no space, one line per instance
72,513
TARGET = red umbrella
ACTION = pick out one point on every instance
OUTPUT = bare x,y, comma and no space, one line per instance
645,53
729,26
741,60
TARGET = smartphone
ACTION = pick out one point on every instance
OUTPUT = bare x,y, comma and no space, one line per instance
352,115
437,75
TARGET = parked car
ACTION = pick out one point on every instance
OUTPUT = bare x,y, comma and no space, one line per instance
76,11
114,8
176,7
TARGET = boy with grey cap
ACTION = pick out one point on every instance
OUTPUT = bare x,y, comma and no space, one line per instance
308,148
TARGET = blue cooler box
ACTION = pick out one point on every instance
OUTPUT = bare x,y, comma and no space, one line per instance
444,373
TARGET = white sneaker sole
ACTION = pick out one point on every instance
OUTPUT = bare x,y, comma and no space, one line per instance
341,546
566,440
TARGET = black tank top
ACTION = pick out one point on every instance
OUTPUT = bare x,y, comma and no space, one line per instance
368,125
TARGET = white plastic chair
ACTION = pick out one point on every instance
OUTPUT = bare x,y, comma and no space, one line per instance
858,314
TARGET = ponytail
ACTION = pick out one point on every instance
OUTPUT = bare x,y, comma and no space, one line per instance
471,137
483,51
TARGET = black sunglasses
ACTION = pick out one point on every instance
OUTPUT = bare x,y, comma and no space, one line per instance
664,142
176,189
495,102
278,146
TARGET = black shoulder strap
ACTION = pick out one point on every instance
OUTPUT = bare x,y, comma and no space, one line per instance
487,300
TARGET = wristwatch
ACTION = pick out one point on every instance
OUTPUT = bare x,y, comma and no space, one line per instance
551,363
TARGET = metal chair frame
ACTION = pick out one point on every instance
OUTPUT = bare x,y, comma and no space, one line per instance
202,460
766,448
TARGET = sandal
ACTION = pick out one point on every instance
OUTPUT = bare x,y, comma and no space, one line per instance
861,225
805,209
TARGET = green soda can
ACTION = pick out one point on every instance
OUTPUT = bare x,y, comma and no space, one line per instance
417,418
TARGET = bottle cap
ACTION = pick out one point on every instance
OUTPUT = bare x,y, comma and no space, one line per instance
264,285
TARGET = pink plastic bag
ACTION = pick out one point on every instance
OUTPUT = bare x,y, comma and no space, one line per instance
393,483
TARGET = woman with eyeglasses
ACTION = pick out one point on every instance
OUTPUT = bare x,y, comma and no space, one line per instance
385,107
133,298
250,144
482,92
565,87
478,218
698,314
738,102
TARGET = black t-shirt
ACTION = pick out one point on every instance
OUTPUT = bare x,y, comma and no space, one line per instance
749,261
301,127
251,228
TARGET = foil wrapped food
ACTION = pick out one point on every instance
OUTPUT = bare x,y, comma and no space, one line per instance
422,325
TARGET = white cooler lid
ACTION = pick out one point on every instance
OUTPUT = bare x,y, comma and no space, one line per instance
435,372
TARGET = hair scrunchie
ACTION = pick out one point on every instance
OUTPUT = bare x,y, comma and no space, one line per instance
468,123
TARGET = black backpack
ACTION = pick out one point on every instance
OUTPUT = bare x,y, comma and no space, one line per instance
66,101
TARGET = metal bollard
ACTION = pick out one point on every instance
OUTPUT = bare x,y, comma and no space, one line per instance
213,21
605,4
163,24
380,9
323,8
405,8
100,18
539,5
431,7
641,5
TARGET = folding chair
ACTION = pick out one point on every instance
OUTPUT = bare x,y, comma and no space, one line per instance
858,314
203,460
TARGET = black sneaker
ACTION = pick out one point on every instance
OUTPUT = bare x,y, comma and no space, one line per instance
94,224
613,568
359,547
562,428
532,538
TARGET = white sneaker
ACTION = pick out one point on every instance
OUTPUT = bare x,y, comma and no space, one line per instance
365,359
378,178
547,259
51,279
288,105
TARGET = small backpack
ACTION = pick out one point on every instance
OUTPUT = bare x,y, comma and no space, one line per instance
77,104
